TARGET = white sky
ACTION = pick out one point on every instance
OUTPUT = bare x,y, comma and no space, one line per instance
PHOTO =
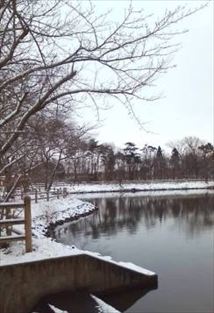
187,106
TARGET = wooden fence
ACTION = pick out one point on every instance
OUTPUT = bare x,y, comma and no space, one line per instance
8,220
38,194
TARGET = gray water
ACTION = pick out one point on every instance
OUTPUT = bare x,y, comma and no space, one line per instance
170,235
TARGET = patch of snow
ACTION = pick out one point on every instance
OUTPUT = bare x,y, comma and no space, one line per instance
56,310
136,268
128,265
43,248
103,307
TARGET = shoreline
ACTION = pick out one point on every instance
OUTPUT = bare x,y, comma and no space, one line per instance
134,190
126,193
135,186
50,228
48,215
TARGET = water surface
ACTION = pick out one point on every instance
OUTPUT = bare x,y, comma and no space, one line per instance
171,235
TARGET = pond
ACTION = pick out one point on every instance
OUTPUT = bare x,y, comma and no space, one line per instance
170,234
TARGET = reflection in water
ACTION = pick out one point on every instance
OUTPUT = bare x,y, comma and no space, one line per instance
122,301
71,302
190,214
170,235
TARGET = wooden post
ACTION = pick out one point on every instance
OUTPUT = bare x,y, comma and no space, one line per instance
57,193
8,228
64,192
36,196
47,195
28,231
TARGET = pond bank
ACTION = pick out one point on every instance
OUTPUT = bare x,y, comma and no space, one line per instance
46,215
137,186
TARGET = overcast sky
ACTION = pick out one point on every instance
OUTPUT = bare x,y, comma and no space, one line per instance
187,106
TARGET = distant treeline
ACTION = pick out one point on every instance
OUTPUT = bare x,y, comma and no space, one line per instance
55,149
190,158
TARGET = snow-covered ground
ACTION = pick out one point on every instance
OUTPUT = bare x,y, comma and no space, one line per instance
43,214
147,186
153,193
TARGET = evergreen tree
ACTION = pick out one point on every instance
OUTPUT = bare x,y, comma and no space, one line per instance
175,163
159,164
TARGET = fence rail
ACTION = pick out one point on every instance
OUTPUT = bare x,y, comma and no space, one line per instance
37,195
9,221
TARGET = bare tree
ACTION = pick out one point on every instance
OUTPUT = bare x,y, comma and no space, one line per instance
58,53
56,140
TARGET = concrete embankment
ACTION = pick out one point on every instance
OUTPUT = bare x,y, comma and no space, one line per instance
23,285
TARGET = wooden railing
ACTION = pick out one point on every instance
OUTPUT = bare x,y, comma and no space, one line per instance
37,195
10,220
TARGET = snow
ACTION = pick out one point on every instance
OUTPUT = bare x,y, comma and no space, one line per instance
147,186
45,213
127,265
103,307
56,310
136,268
43,248
152,193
